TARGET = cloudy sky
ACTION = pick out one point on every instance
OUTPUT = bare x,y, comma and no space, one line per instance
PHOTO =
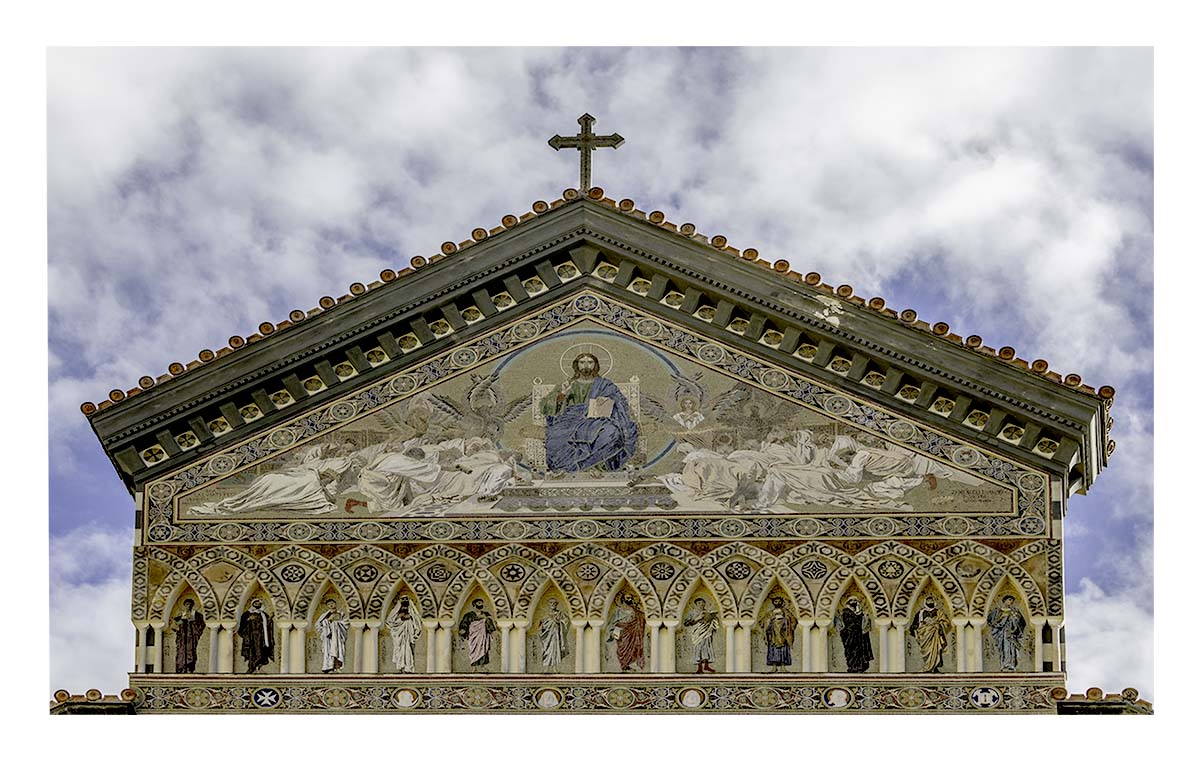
195,193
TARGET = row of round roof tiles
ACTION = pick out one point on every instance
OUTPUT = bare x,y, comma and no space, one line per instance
749,256
1095,695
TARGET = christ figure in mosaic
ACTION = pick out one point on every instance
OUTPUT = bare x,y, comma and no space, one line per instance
1007,627
588,422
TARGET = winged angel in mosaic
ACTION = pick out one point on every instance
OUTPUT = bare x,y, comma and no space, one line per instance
482,412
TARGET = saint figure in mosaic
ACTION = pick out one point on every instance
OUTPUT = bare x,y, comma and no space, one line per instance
189,625
778,626
1007,627
931,629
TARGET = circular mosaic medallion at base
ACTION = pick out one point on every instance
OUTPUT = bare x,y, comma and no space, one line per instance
369,532
406,698
837,698
284,437
985,697
335,697
342,411
299,532
477,697
911,697
901,430
585,529
161,491
197,697
513,530
229,532
732,527
765,697
402,385
956,526
548,698
882,526
774,379
439,530
806,527
657,528
692,697
618,697
266,697
222,464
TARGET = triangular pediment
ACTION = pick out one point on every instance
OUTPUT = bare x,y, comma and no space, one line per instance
506,276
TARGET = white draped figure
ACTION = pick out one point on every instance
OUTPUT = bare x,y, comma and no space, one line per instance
404,622
309,486
552,636
332,628
395,475
479,470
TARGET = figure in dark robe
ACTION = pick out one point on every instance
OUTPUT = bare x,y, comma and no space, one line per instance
588,423
475,632
189,625
932,631
258,642
1007,627
627,626
778,626
854,627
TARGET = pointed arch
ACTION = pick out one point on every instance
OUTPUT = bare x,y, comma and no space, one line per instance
834,589
984,590
925,586
327,570
923,565
620,568
474,588
459,589
172,587
675,601
385,590
326,590
773,569
534,588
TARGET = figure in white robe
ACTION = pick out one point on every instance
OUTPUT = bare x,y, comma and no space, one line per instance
552,636
480,471
393,481
332,627
404,623
308,486
702,625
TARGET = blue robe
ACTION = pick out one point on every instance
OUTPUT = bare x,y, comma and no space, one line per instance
576,442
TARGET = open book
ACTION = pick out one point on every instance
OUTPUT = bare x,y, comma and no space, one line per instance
601,406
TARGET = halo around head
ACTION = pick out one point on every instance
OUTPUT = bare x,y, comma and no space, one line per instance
601,353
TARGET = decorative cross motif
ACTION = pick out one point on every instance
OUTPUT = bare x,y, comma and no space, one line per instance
586,142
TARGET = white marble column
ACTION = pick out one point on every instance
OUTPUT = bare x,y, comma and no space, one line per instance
591,654
898,658
654,632
445,659
370,658
580,627
820,661
1036,624
356,641
975,645
505,626
285,647
225,656
666,647
960,644
519,639
431,645
139,649
299,648
214,646
731,646
1056,651
157,653
804,640
744,634
883,635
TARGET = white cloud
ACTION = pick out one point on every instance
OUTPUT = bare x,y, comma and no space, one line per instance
1110,639
91,637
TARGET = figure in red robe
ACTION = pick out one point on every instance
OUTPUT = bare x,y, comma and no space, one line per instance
627,626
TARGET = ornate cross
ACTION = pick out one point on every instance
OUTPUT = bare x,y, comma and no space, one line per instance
586,142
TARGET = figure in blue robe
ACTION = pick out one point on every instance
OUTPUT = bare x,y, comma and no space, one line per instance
588,424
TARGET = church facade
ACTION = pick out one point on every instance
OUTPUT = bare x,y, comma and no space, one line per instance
589,460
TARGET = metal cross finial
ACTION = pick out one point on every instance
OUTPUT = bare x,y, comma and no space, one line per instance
586,142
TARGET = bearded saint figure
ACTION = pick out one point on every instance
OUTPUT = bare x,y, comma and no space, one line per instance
588,423
189,625
778,626
255,628
931,628
332,627
854,627
702,625
475,631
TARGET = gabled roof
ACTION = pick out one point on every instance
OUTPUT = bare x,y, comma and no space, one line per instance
773,305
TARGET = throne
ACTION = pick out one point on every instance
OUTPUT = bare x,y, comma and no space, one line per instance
535,448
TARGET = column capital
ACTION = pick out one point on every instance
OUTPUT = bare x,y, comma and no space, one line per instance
823,623
357,623
430,624
505,623
670,623
301,625
374,625
229,625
